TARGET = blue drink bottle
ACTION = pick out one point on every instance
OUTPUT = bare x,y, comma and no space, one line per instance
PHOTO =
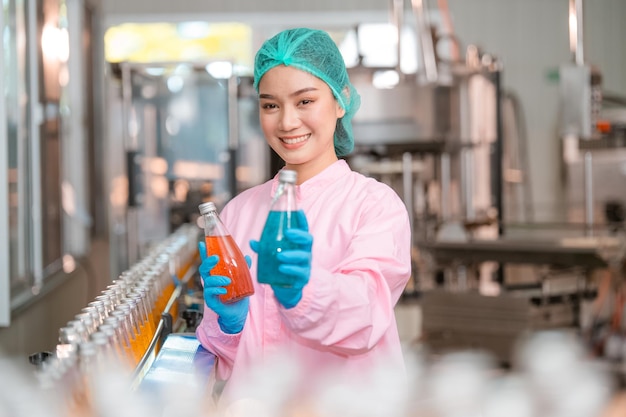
283,215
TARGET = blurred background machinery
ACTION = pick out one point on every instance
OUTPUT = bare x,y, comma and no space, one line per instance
453,143
517,213
443,131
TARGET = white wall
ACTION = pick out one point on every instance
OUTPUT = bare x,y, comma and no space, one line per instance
530,36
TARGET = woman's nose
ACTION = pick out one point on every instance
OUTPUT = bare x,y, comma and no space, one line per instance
289,119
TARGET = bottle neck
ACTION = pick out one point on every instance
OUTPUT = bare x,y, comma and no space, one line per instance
213,225
285,198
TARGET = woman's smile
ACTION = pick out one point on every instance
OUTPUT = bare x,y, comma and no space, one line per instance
292,140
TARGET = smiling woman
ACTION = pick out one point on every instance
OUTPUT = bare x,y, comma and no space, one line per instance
317,54
298,116
336,311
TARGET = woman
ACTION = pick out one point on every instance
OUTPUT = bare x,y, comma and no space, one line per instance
340,314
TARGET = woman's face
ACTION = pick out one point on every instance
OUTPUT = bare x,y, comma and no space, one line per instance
298,114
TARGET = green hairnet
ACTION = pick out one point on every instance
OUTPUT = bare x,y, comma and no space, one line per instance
315,52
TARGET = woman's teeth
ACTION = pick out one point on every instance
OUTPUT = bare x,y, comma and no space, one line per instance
292,141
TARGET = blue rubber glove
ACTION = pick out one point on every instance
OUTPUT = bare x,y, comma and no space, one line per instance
231,316
296,263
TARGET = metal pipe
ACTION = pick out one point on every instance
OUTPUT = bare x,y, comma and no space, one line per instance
397,7
445,186
36,119
233,134
131,148
75,136
580,56
498,152
467,182
588,184
576,31
426,40
5,272
497,174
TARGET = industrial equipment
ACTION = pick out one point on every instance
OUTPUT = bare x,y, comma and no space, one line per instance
442,137
185,137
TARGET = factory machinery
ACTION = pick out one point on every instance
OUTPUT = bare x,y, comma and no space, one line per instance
448,140
451,142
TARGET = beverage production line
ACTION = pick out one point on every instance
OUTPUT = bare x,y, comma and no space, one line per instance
119,358
481,280
451,142
135,342
512,311
126,325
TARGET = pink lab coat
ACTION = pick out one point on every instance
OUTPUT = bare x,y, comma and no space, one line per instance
361,262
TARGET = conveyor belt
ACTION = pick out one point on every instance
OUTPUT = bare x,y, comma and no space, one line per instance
588,252
181,361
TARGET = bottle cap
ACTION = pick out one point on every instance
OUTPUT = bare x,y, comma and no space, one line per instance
207,207
87,349
287,175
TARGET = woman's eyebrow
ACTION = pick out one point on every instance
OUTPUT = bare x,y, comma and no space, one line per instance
295,93
303,90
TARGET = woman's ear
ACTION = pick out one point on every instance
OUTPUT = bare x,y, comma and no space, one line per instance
340,110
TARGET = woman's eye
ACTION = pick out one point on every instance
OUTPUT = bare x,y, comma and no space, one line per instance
306,101
268,106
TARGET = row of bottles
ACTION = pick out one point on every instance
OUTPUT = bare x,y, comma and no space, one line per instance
118,328
551,376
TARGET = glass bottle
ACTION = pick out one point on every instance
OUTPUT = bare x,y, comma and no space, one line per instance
232,263
282,216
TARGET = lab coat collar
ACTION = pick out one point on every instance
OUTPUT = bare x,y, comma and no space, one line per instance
321,180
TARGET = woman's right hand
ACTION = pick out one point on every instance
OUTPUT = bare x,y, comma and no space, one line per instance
231,316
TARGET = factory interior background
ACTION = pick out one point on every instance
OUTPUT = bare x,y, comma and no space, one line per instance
500,123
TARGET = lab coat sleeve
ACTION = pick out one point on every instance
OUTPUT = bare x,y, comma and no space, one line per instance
349,309
222,345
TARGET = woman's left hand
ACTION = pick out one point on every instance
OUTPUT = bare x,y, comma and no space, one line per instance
295,263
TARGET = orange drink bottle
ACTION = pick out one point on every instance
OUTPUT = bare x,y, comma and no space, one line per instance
232,263
123,339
